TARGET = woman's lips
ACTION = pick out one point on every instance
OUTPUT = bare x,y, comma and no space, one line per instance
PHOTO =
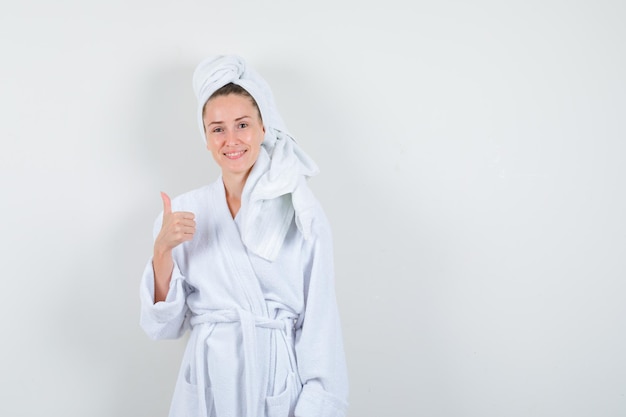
234,154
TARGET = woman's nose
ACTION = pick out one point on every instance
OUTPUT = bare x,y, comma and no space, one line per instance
231,137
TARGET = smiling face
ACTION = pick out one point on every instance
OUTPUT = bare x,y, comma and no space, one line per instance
234,132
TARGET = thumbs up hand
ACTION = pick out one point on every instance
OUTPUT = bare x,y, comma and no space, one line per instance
177,227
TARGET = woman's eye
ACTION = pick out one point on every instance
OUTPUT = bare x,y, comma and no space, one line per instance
243,125
218,130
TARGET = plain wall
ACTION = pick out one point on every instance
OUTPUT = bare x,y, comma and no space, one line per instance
471,159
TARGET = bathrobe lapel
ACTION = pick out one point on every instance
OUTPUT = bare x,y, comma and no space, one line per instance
236,257
255,344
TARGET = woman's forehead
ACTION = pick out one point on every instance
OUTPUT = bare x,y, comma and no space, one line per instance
230,106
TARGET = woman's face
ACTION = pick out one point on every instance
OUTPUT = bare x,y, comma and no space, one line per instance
234,132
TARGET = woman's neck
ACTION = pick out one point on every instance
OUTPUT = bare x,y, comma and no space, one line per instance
233,185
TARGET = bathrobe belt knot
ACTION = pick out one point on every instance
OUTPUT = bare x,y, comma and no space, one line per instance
248,322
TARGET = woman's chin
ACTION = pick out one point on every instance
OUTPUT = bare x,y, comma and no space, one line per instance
231,168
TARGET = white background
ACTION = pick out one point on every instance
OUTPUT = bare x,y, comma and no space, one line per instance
472,167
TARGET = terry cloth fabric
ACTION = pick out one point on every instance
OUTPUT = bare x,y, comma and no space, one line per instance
276,188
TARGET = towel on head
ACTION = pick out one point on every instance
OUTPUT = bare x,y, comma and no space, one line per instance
276,188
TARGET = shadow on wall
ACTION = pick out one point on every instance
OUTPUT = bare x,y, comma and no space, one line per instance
386,246
122,371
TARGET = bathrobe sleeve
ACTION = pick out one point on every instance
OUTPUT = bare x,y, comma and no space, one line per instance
319,344
166,319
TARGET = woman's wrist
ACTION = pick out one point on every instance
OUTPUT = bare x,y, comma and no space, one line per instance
162,253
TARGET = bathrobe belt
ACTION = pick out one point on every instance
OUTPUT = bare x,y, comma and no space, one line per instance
248,322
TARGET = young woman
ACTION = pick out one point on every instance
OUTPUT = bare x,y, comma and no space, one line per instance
246,263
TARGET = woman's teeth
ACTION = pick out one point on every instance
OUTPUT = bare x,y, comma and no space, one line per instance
234,154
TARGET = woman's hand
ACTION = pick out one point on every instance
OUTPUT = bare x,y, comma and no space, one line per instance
177,227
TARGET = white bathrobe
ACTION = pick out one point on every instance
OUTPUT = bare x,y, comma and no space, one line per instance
265,335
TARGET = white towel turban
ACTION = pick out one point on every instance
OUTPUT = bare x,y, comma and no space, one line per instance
276,188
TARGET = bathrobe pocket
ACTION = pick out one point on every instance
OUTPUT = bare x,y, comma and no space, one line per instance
283,404
187,401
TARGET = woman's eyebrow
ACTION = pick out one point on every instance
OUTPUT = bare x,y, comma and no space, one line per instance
237,119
